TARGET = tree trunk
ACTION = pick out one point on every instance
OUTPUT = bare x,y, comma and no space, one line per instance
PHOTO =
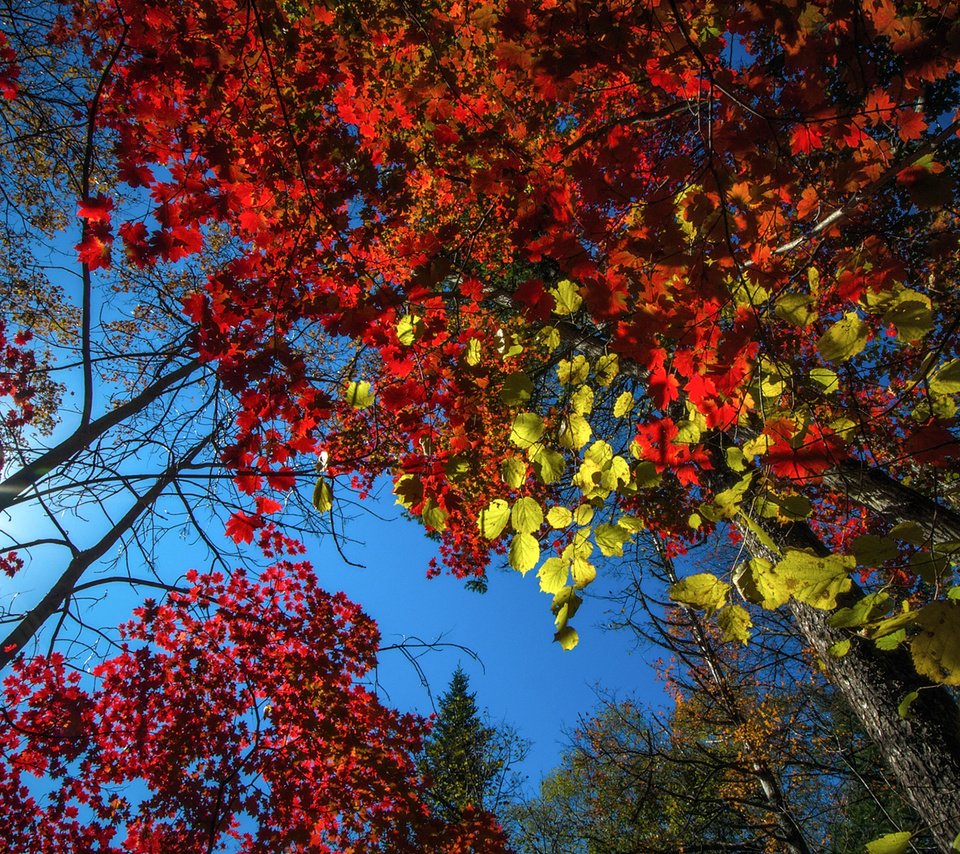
922,751
875,489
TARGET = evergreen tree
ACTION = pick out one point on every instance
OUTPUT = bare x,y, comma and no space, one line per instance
465,760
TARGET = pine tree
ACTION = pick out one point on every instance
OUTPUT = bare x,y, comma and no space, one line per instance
465,760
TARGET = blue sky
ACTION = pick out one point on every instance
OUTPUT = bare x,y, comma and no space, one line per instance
522,677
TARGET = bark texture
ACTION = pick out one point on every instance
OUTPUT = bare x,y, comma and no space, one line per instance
922,751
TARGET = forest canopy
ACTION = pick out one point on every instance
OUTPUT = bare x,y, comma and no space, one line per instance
575,277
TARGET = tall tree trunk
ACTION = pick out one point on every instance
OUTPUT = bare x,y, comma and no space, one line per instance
922,751
875,489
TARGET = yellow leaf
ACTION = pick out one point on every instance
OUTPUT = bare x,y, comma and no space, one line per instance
409,329
566,297
703,591
527,429
553,575
567,637
575,432
524,553
623,405
844,339
359,395
936,649
494,518
559,517
526,516
323,495
513,471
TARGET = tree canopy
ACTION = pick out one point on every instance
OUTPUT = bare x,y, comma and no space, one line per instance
562,271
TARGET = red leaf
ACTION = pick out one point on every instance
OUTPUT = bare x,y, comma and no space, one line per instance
663,388
95,210
241,527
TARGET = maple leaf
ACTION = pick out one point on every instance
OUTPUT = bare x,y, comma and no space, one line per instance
241,527
94,250
806,138
96,209
663,388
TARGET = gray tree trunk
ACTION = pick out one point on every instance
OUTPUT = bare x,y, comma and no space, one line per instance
922,751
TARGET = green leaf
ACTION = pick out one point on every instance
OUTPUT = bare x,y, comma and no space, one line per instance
527,429
947,379
524,553
735,623
911,316
513,471
457,467
869,609
575,433
844,339
323,495
872,550
559,517
494,518
526,516
623,405
517,389
840,648
909,532
610,539
409,329
567,637
904,708
794,507
825,378
762,536
891,641
553,575
647,475
881,628
891,843
566,297
796,309
359,395
434,516
735,459
930,567
726,504
703,591
936,648
549,465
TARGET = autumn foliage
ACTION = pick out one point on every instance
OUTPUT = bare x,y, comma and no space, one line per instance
594,267
232,718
